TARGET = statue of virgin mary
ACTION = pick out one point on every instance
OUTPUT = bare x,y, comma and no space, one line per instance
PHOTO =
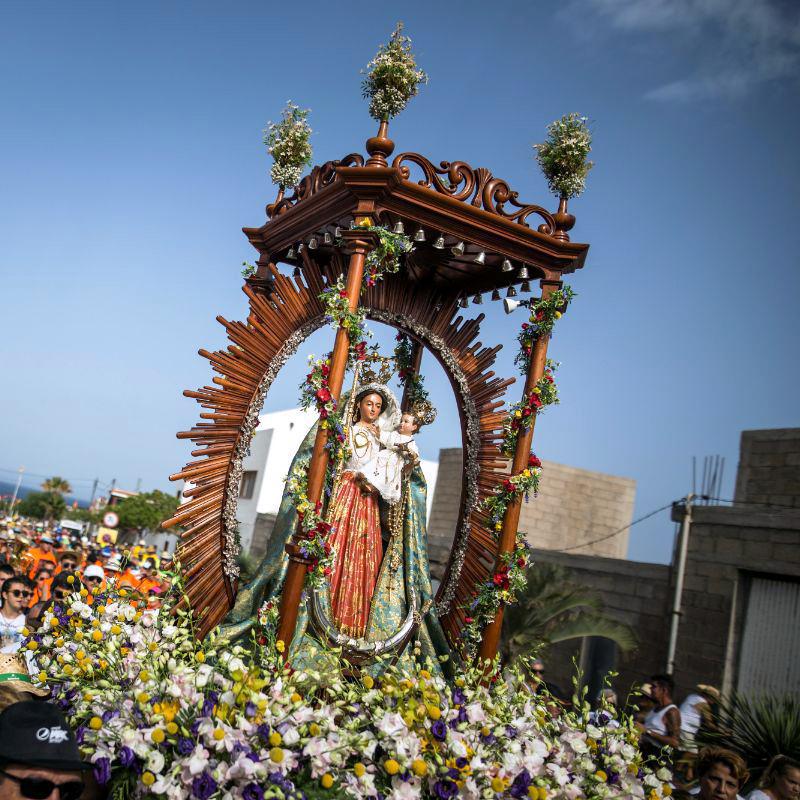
379,594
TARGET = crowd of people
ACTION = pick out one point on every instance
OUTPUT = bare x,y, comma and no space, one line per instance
671,734
41,566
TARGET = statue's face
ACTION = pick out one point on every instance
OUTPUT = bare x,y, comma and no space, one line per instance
370,407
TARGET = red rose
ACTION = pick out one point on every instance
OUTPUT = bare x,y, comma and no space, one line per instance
533,461
501,580
508,486
325,370
468,620
521,563
343,293
323,395
326,572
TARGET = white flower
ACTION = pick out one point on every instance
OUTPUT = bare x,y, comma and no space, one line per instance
155,761
391,724
198,760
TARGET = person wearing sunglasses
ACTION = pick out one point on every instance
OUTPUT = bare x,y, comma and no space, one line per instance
39,756
93,579
67,561
16,593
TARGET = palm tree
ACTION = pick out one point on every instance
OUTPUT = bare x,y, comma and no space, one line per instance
57,485
554,608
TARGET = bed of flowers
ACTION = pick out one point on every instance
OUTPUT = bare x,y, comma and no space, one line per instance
160,714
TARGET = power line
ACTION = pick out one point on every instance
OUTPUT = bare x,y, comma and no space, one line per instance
37,475
617,532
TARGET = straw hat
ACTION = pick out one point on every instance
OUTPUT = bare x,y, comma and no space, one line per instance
14,674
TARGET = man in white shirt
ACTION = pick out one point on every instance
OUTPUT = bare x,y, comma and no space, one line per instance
16,593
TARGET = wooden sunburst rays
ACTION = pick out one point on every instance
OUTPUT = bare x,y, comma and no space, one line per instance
295,305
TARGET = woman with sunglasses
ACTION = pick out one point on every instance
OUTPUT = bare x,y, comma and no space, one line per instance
41,584
16,593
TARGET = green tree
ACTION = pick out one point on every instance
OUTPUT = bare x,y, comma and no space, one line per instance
42,505
146,511
57,485
555,608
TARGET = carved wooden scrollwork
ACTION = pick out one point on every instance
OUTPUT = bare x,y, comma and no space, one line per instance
320,176
477,186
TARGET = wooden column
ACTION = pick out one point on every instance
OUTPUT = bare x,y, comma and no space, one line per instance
508,534
416,360
358,244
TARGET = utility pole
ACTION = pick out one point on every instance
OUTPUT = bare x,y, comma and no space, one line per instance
683,549
94,491
16,490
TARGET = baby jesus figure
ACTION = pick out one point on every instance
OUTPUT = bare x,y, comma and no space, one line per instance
399,455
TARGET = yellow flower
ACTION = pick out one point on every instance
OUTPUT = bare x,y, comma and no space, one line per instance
54,623
80,654
78,636
172,728
537,390
142,697
434,712
391,766
123,593
526,473
200,656
557,315
517,414
101,609
275,739
314,729
144,675
359,769
59,642
97,635
116,630
296,697
148,779
368,681
276,755
327,780
219,734
95,723
84,593
70,579
42,676
499,784
280,646
666,789
152,647
601,776
157,735
419,767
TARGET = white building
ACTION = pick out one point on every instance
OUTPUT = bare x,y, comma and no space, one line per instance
278,437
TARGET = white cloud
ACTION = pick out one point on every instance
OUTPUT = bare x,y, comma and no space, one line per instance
736,45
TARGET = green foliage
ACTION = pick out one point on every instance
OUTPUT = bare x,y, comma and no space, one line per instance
57,485
563,157
392,77
758,727
288,142
146,511
554,608
42,505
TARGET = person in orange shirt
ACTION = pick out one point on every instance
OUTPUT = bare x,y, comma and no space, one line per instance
149,578
42,583
41,552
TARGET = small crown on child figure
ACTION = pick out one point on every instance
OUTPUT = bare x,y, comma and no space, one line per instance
424,413
368,373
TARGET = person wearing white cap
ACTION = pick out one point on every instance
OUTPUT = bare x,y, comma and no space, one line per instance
93,578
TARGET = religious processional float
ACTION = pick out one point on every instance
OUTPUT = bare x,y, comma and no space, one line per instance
337,671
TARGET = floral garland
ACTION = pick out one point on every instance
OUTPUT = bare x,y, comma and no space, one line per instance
563,157
510,579
288,142
409,377
522,414
385,257
392,77
161,715
543,316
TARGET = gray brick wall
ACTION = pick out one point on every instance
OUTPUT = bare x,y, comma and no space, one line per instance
769,467
573,506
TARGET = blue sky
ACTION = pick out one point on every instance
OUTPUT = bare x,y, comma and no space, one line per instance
131,156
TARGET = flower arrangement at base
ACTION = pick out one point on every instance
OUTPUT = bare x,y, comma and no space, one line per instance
392,77
288,142
161,715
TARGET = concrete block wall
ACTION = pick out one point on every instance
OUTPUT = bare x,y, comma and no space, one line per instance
726,547
573,506
769,467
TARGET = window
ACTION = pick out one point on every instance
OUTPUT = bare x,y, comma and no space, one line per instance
248,485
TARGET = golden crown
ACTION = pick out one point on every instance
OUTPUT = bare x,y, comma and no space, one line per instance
375,368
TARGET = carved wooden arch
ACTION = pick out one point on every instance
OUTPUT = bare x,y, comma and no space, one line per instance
276,326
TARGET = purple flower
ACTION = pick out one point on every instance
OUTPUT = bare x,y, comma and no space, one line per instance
250,710
439,730
208,707
445,789
185,746
203,786
252,792
102,770
511,732
458,698
80,734
127,757
521,783
263,731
